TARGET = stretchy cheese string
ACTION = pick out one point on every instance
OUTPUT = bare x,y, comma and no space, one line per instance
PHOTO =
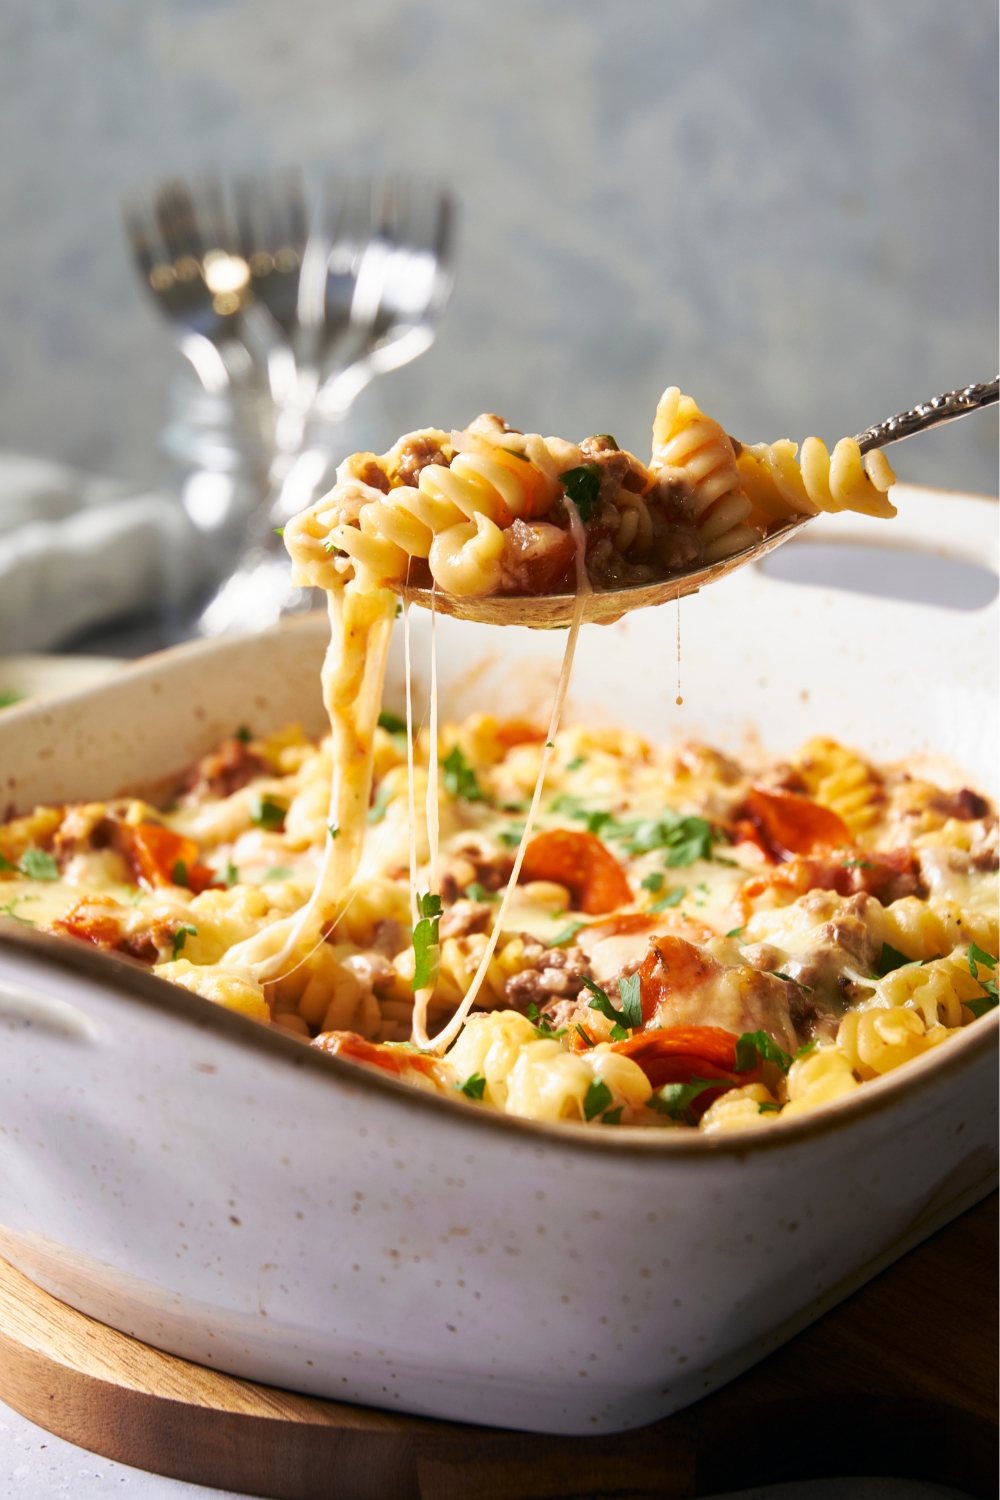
445,1037
353,677
433,811
411,797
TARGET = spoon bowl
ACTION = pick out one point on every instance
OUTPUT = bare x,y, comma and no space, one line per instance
602,606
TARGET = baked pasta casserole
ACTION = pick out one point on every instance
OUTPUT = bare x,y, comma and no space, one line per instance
564,924
691,942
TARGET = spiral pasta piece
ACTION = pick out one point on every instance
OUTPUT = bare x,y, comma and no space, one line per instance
840,779
694,457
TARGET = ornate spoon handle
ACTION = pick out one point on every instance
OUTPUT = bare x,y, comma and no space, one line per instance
933,413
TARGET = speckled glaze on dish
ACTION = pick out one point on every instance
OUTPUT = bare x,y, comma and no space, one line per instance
237,1198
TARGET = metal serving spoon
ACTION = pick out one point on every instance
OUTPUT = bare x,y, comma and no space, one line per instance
554,611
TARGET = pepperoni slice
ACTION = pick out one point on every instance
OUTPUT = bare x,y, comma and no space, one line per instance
580,862
784,824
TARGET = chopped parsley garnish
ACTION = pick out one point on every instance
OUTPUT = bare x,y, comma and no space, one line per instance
542,1024
425,942
243,735
333,829
576,763
583,485
8,911
977,957
564,938
268,814
652,882
858,864
805,1050
8,697
181,936
587,1041
630,1014
38,865
672,898
460,778
685,838
279,872
789,980
378,809
734,932
511,836
179,874
767,1107
279,531
754,1044
675,1099
476,892
891,959
391,723
230,875
612,1116
598,1098
474,1086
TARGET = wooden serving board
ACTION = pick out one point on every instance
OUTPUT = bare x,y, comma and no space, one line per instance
899,1380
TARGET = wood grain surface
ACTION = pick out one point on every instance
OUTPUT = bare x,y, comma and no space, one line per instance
899,1380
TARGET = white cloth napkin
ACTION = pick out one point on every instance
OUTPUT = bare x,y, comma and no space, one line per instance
76,550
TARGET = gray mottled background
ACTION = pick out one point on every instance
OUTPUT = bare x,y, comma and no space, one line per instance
787,207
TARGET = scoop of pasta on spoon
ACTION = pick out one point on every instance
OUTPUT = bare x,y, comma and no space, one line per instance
486,518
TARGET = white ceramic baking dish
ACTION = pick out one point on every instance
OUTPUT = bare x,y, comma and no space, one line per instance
234,1197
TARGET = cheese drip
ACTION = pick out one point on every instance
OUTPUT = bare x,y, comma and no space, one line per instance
353,675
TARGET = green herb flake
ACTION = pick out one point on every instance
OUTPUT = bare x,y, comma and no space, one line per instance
391,723
5,864
601,1003
333,829
474,1086
652,882
460,778
754,1044
38,865
179,874
243,735
230,875
805,1050
586,1039
612,1116
564,938
685,838
598,1098
672,898
543,1025
380,806
268,814
768,1107
583,485
476,892
8,911
576,763
675,1099
858,864
425,943
630,994
181,937
734,932
8,697
279,531
789,980
511,836
278,872
891,959
607,438
977,958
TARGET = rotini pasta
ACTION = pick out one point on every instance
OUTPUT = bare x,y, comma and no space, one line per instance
491,510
